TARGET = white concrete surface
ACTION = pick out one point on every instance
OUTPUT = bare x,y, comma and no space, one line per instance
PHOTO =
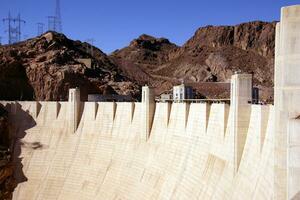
98,150
189,156
148,109
240,98
287,98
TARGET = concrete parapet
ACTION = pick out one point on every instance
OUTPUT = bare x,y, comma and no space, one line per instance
32,107
49,110
218,119
123,119
178,118
105,117
167,111
106,110
198,118
259,119
160,122
263,119
90,110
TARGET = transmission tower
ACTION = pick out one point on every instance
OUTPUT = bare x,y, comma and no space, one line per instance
54,22
14,28
58,16
40,28
51,23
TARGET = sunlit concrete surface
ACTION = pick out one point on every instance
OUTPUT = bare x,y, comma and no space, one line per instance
287,104
189,153
147,150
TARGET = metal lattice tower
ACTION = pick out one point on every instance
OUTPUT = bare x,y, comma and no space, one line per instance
51,23
14,28
54,22
58,16
40,28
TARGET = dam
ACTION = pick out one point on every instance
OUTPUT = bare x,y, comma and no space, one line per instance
149,150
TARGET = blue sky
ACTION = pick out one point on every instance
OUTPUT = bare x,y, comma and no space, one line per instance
114,23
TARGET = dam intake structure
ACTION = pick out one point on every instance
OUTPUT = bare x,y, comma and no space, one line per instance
149,150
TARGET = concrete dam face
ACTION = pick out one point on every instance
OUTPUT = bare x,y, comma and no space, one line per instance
148,150
188,155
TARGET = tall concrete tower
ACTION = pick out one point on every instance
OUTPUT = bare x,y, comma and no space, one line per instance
240,98
74,109
148,109
287,109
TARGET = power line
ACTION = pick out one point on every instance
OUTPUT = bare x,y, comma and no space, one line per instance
58,16
14,28
55,22
40,28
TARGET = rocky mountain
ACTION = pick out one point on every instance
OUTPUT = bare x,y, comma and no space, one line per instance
44,68
211,55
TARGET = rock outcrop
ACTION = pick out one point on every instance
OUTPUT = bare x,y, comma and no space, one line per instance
44,68
211,55
7,180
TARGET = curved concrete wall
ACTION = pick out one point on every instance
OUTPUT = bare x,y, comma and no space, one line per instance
189,154
96,150
287,98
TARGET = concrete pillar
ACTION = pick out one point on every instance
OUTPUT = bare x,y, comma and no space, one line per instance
240,98
74,109
36,109
167,112
287,109
148,109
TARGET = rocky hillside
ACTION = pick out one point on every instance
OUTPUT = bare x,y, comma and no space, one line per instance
7,181
211,55
44,68
142,57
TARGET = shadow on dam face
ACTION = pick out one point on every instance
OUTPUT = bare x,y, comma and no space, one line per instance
108,156
18,132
